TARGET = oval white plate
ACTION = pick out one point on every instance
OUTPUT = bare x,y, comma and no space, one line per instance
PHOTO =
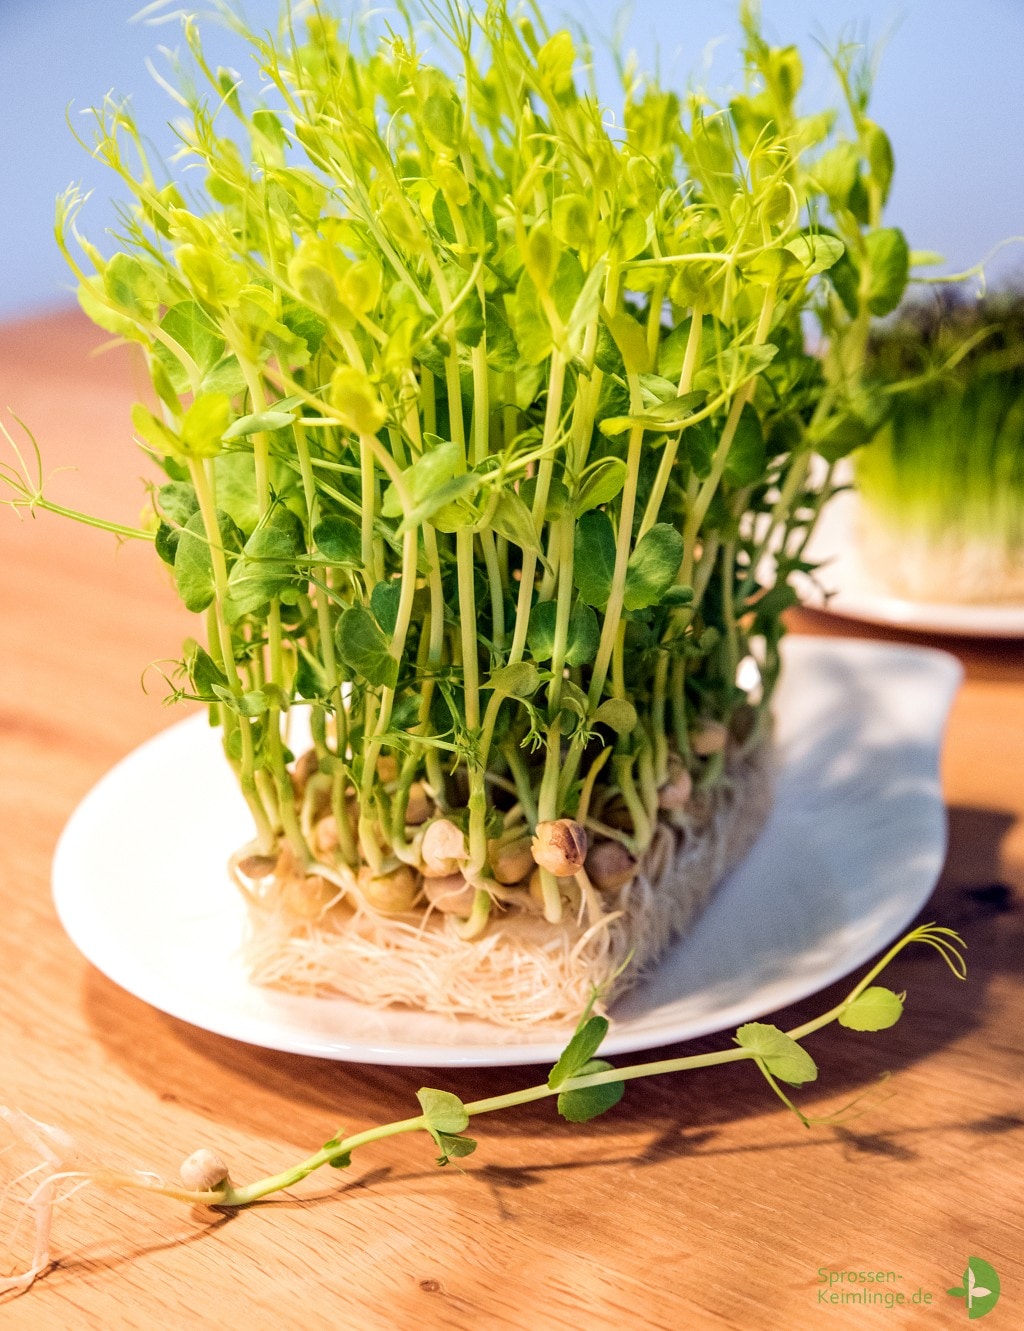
851,853
853,592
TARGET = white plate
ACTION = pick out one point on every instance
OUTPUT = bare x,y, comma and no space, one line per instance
853,591
850,854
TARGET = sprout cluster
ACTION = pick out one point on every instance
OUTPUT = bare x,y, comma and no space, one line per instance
943,482
481,409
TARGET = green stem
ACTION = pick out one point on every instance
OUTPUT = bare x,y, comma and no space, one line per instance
341,1150
613,612
552,418
671,448
208,508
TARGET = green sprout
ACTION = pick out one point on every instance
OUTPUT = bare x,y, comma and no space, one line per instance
487,425
943,483
582,1085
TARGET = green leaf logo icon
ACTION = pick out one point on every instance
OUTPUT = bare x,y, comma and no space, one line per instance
980,1290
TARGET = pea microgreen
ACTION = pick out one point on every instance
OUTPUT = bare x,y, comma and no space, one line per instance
463,385
584,1087
942,484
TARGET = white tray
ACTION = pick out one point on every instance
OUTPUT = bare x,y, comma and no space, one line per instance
854,593
849,856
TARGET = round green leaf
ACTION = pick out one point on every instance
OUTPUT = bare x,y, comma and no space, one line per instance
876,1009
781,1055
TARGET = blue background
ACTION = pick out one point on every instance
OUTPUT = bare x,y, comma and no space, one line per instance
950,92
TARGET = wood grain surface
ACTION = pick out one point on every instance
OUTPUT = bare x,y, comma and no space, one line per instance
700,1202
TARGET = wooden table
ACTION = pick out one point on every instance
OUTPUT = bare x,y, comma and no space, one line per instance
699,1203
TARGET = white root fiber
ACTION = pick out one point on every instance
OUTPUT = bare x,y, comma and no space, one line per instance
522,971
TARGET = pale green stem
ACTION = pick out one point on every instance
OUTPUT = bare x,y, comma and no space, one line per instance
659,693
552,417
232,1196
282,782
671,448
698,511
613,612
208,508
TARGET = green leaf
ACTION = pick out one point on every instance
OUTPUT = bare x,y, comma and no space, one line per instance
570,286
225,377
541,254
384,601
266,566
442,1111
586,1041
573,700
153,430
452,1146
583,636
338,539
748,456
662,418
881,159
531,327
541,633
189,325
734,366
594,558
875,1009
580,1106
845,433
631,339
845,277
618,714
817,253
364,648
653,567
699,444
889,261
356,400
781,1055
513,520
448,508
521,679
773,603
423,479
502,351
602,483
203,671
193,568
252,704
469,320
558,498
130,284
177,500
305,325
165,542
441,119
202,429
99,311
310,676
235,476
260,422
836,172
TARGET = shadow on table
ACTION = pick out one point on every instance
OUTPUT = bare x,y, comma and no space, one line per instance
297,1098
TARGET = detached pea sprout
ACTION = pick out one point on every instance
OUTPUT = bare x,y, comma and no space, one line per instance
583,1085
487,424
